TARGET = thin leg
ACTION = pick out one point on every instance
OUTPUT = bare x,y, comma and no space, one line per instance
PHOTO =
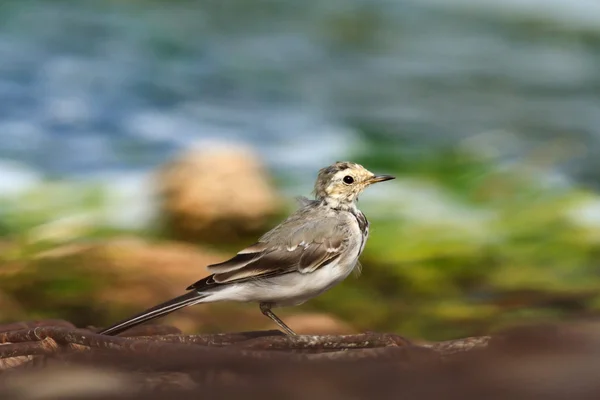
265,308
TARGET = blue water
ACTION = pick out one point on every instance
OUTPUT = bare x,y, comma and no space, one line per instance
117,87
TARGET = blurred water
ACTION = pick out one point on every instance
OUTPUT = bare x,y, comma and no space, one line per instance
103,88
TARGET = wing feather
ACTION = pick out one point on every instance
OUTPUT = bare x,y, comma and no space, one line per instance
274,262
237,262
294,246
244,257
318,254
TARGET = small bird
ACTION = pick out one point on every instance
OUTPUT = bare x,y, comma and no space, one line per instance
311,251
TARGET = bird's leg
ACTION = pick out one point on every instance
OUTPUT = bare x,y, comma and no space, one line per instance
265,308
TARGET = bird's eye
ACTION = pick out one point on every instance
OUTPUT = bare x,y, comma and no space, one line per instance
348,180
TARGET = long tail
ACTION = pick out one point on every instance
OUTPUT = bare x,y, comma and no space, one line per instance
167,307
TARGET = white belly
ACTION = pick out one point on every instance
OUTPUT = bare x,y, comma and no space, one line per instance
289,289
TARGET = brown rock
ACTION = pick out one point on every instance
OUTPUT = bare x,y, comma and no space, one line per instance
216,195
133,274
171,262
65,383
151,272
315,324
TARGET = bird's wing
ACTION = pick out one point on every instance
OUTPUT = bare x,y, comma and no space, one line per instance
297,245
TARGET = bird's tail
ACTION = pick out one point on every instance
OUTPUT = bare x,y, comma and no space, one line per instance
167,307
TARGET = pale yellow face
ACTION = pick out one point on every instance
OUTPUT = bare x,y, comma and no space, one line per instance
342,182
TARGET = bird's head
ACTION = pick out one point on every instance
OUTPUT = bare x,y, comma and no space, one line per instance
340,184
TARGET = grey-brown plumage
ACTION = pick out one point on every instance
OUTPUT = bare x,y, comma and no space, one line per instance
312,250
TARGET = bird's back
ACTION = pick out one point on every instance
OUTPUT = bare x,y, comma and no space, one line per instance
313,222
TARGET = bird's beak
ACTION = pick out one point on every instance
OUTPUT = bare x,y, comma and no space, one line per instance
381,178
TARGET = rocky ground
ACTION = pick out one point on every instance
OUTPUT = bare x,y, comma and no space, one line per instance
54,360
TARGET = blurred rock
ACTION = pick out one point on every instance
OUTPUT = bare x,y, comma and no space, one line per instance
12,362
175,262
65,383
151,272
216,195
316,324
128,274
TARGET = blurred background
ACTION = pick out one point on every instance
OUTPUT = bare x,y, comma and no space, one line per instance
142,140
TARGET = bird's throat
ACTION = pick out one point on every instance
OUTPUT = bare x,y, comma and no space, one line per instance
339,203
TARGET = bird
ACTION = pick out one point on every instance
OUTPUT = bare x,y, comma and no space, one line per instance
308,253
